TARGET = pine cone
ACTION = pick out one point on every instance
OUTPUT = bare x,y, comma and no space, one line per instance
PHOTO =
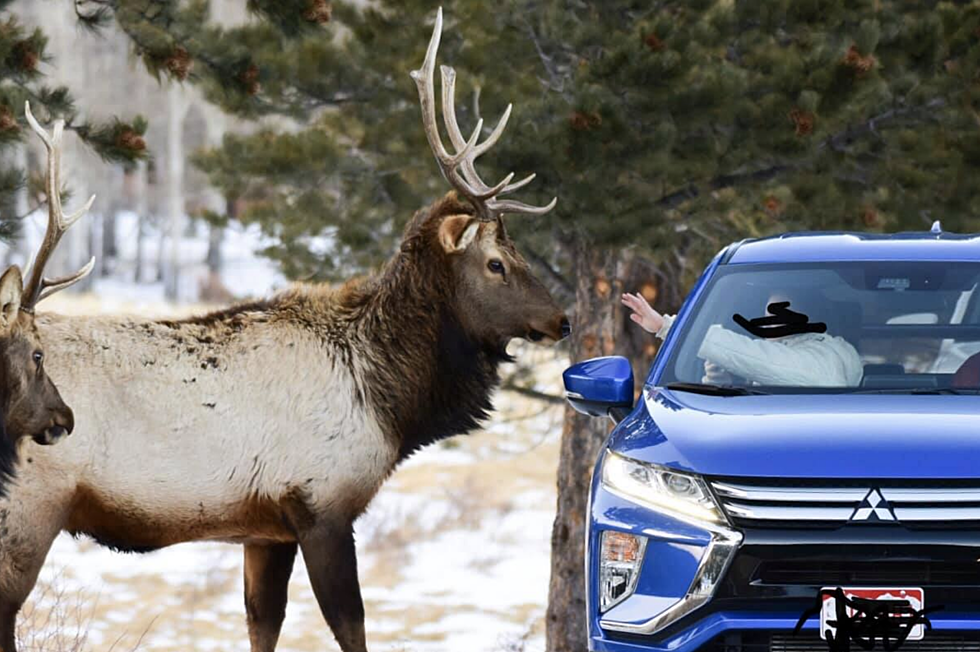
803,120
179,63
7,120
860,64
772,206
250,79
654,43
25,57
319,12
871,217
584,121
129,139
579,121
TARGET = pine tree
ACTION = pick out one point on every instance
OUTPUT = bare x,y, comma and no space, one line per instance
23,59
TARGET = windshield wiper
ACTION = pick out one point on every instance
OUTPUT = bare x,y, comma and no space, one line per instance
714,390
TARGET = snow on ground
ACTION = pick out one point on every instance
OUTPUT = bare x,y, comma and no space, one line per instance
453,553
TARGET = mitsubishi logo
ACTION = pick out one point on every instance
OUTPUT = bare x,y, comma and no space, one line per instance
873,508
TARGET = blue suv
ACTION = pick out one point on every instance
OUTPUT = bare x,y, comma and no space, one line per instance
734,501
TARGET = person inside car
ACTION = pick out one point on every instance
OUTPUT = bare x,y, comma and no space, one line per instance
809,359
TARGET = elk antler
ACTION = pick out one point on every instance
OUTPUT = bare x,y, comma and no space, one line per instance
38,287
458,168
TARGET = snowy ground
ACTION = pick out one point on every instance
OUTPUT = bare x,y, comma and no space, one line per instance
454,552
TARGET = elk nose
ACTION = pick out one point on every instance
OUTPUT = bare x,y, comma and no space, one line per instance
566,327
54,433
65,420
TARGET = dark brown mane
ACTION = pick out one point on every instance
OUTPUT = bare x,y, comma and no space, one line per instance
8,460
231,313
428,378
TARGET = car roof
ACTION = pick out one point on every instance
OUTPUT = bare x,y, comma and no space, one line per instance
842,246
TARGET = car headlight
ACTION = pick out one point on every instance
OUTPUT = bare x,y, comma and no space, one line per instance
663,489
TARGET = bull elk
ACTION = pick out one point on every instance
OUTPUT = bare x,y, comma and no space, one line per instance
30,405
274,423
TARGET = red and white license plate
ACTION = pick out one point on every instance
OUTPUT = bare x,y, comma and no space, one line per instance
828,612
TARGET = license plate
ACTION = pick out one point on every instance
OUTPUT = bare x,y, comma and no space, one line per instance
828,611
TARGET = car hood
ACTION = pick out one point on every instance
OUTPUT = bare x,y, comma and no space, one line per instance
817,436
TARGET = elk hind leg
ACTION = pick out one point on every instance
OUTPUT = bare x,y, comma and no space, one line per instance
331,561
267,571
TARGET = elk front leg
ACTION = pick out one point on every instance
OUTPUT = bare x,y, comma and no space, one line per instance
8,623
331,561
267,571
27,530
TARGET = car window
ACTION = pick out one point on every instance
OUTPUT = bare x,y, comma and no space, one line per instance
847,326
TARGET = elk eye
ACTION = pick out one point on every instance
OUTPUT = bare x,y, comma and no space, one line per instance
495,266
38,357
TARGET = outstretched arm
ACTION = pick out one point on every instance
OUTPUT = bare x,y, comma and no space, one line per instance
648,318
770,362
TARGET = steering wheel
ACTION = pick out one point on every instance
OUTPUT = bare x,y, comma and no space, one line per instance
968,375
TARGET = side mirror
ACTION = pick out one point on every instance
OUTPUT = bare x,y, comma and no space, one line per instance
601,387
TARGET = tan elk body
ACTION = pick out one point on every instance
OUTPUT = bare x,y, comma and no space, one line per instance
273,424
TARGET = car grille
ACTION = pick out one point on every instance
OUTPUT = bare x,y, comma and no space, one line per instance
868,573
761,642
833,504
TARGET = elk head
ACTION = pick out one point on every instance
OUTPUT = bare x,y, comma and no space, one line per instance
30,403
497,296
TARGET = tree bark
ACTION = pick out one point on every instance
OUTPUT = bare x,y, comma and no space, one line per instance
175,191
600,326
109,247
142,208
215,259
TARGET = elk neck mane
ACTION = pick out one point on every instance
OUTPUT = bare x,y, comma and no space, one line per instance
8,458
425,377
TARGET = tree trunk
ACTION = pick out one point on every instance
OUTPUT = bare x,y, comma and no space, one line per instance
175,191
142,210
600,326
110,248
215,259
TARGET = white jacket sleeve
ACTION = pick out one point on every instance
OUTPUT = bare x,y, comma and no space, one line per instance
809,361
665,328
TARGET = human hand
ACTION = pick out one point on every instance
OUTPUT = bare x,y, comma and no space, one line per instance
715,374
643,314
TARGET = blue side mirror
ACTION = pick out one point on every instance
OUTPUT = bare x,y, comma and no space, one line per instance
600,387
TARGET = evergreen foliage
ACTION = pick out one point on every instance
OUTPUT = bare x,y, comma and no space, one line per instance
23,57
675,126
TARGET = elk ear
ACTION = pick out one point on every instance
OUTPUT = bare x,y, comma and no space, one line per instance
457,231
11,288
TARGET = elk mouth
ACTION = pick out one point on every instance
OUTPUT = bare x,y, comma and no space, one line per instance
562,331
536,335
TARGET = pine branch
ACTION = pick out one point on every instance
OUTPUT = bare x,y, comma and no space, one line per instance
510,385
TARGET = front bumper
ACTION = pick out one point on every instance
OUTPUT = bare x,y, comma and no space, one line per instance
772,577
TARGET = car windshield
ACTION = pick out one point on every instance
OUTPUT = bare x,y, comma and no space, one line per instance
871,327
